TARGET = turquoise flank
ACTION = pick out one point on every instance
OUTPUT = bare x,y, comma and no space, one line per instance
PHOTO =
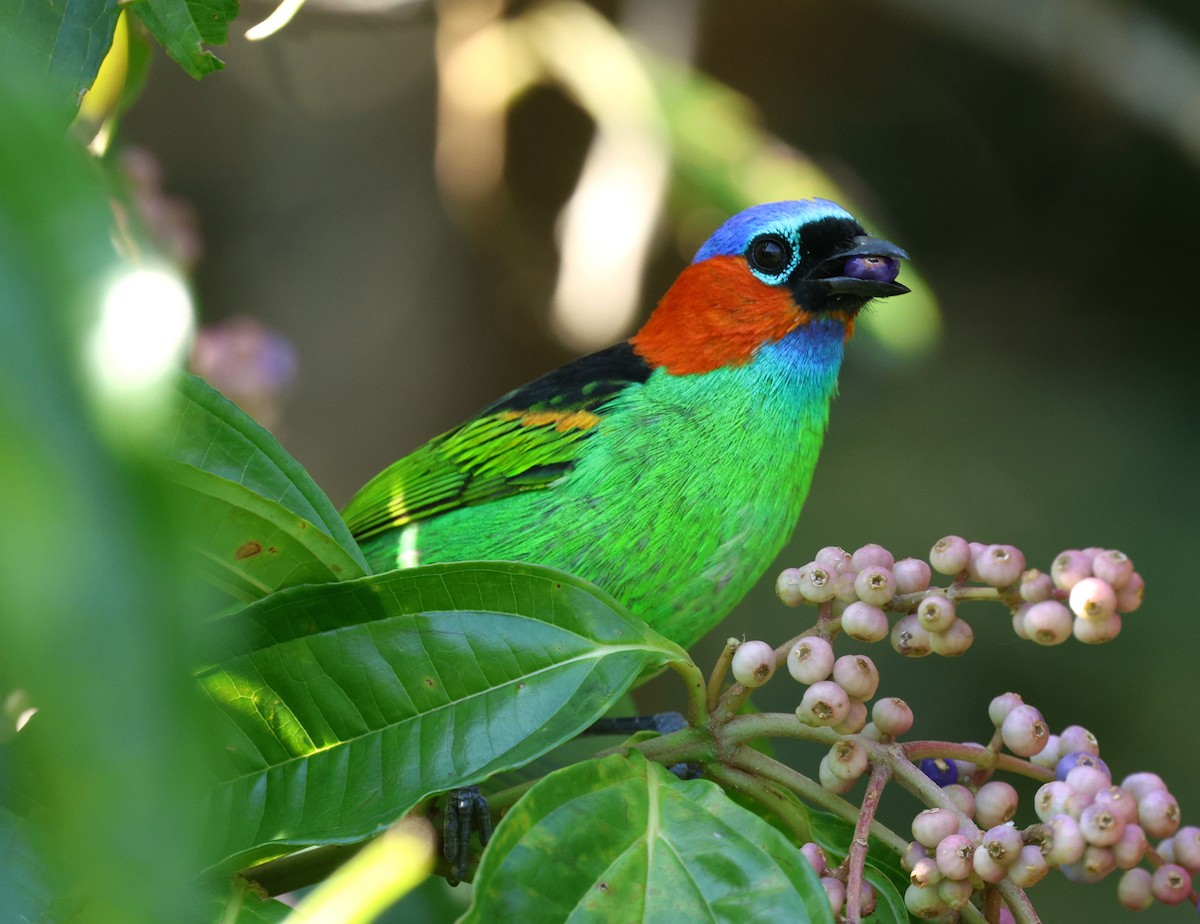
682,500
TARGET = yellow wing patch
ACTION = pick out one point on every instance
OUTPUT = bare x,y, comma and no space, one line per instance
562,421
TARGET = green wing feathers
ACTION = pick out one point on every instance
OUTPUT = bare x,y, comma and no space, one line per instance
490,457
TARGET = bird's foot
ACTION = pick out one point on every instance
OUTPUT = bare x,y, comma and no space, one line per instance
662,722
465,811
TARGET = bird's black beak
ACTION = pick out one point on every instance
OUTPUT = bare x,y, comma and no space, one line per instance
866,269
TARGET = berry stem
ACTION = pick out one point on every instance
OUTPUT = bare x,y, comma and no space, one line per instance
856,856
717,679
983,757
697,695
781,803
760,765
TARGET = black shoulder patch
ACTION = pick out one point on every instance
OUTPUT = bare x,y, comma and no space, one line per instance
587,381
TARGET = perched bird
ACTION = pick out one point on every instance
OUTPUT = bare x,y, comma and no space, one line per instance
668,469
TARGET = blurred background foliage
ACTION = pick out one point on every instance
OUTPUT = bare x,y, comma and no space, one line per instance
395,210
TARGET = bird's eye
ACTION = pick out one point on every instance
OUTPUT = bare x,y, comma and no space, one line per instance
769,253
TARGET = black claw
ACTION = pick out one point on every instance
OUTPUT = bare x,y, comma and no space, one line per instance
466,811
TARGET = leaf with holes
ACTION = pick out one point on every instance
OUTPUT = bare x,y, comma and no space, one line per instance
343,705
629,841
184,27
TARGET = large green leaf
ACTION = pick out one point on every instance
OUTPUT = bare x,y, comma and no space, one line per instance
65,42
628,841
184,27
250,546
343,705
213,434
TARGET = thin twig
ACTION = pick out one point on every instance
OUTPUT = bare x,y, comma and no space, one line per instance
856,856
717,679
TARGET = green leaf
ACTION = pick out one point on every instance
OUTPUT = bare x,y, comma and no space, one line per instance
65,41
245,906
213,434
639,845
183,27
343,705
250,546
97,626
25,877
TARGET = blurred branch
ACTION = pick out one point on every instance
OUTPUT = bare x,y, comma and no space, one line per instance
1124,52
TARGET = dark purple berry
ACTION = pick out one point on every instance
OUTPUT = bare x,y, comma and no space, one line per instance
879,269
942,772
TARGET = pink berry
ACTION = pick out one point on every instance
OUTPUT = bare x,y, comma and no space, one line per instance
835,891
848,759
818,583
1048,623
1029,868
823,703
1003,843
925,873
1063,843
1000,565
892,716
830,780
1100,826
843,587
871,554
1069,568
865,622
987,868
935,613
916,851
1075,739
1140,785
1129,850
1051,799
910,638
834,557
1158,814
1129,597
1170,884
1047,757
1133,889
875,584
1087,779
973,565
1024,731
1002,705
950,555
956,893
962,797
1119,802
1187,848
954,854
924,903
857,675
932,825
1036,586
1018,620
1092,598
995,803
1114,567
753,663
1097,631
954,641
815,856
855,721
787,587
912,575
811,659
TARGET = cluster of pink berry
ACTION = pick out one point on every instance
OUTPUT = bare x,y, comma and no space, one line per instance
1084,594
1089,826
833,879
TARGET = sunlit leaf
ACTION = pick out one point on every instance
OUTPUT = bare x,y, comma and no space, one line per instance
184,27
342,705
